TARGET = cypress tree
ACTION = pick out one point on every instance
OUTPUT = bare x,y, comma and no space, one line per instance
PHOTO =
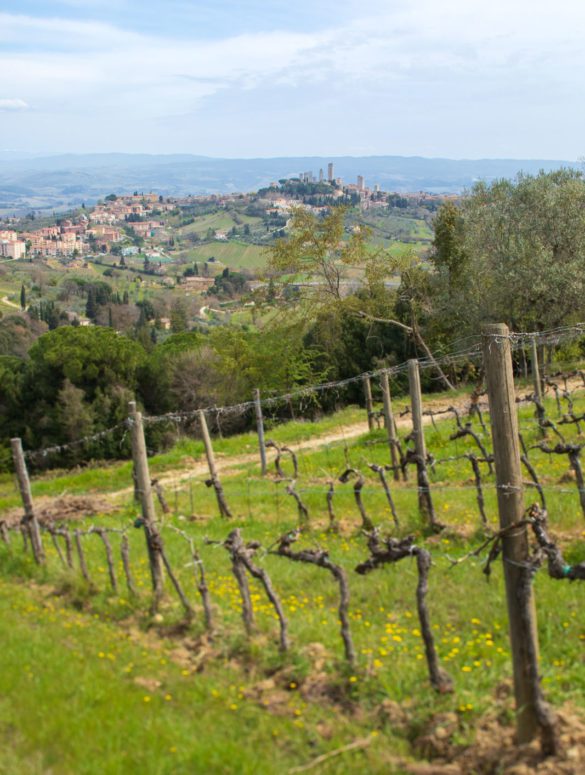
91,306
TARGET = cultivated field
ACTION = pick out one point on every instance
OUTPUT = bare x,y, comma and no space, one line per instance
92,682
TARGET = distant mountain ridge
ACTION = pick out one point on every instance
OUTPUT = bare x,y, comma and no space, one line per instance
58,181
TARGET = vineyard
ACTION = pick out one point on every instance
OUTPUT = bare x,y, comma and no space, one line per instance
316,596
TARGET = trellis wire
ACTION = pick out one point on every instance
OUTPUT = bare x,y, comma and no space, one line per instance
553,336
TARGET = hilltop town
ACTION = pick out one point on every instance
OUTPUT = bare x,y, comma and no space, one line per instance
146,215
179,251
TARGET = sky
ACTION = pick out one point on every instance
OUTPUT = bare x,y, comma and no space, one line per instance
261,78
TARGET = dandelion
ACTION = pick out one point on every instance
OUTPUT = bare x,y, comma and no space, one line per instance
146,698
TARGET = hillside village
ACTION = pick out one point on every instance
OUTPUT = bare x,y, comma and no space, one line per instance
146,215
203,254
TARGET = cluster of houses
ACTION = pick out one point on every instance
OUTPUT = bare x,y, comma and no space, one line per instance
140,211
11,244
95,231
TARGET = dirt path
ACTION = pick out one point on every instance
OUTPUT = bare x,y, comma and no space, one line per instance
230,465
6,300
344,433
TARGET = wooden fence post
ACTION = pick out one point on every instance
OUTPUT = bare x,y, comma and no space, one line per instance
497,357
416,408
214,478
369,402
536,371
260,427
390,426
425,504
153,538
30,519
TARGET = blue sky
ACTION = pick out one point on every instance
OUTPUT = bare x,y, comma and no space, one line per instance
455,78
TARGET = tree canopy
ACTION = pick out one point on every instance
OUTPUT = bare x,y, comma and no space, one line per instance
514,252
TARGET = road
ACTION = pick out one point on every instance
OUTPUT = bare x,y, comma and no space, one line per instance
6,300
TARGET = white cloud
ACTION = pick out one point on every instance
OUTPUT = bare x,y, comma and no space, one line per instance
417,53
13,104
100,61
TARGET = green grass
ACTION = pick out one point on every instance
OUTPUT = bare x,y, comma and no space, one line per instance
71,701
236,255
219,221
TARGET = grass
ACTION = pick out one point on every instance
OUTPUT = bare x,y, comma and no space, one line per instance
75,658
219,221
235,254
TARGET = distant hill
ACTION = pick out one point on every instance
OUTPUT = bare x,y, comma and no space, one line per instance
59,181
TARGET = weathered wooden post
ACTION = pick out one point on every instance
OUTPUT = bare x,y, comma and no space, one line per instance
390,426
153,538
497,357
536,371
425,503
369,402
30,519
538,391
416,408
260,427
214,478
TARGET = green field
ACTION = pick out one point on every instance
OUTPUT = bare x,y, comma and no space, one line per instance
235,255
222,220
388,228
91,683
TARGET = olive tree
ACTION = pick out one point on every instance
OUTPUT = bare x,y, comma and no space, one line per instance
519,250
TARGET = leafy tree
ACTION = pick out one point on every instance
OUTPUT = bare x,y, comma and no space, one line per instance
316,247
229,284
448,254
156,374
179,321
11,372
147,310
523,248
90,357
76,380
74,416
